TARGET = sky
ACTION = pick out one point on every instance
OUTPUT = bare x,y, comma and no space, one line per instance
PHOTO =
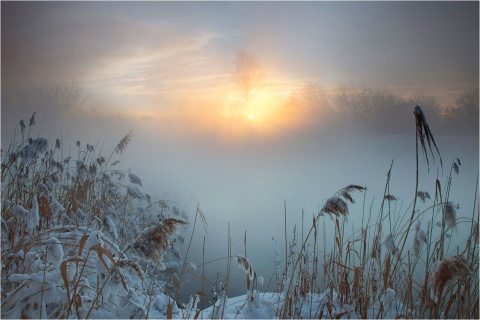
164,71
151,59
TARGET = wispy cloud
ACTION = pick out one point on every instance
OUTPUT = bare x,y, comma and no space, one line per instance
159,61
150,55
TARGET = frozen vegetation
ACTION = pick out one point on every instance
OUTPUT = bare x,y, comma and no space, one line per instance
80,239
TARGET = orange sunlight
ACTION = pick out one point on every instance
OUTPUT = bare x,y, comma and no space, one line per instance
227,118
222,114
264,113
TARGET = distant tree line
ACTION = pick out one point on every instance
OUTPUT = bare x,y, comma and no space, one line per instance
379,110
64,95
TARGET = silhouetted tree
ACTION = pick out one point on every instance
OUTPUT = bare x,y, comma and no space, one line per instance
310,98
466,105
248,74
64,95
364,101
463,116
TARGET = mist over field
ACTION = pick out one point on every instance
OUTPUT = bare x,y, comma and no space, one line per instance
246,182
256,125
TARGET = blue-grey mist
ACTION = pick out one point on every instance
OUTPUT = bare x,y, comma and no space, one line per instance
244,185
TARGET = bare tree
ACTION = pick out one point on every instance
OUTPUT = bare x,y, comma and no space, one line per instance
465,106
310,97
248,74
64,95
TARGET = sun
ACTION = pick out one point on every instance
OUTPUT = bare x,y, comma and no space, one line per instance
264,114
260,109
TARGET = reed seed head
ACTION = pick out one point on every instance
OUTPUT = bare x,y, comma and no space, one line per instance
122,145
22,126
390,197
424,133
246,266
448,269
153,242
335,206
451,215
134,179
32,120
338,206
390,244
423,195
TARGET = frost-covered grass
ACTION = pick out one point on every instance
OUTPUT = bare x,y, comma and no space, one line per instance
77,235
81,240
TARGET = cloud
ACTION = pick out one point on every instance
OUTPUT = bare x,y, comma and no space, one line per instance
106,51
158,56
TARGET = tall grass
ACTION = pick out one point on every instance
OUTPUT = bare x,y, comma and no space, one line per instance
427,275
80,239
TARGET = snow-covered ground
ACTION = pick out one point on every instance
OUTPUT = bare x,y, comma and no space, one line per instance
267,306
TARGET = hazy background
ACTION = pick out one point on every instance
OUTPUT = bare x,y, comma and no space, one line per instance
341,82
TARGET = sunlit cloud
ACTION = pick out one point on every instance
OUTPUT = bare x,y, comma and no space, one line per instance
171,60
160,62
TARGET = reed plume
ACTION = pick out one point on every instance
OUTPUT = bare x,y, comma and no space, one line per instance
451,215
22,127
390,197
336,205
448,269
153,242
132,265
423,132
40,145
246,266
390,244
134,179
32,120
122,145
456,165
345,192
423,195
420,236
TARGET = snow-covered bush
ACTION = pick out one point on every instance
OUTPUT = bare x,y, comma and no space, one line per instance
66,227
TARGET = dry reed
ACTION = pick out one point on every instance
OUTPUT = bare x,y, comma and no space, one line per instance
336,205
423,195
390,197
423,132
153,242
451,215
448,269
246,266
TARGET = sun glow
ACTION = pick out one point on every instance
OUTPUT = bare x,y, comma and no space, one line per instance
262,108
229,118
265,115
